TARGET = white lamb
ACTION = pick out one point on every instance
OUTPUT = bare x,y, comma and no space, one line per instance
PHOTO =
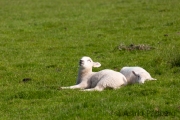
136,74
90,81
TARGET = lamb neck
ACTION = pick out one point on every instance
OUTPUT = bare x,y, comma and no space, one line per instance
83,74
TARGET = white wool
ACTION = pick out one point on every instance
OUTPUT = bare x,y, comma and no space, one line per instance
89,81
136,74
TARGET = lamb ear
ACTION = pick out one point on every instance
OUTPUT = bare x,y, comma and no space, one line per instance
96,64
135,73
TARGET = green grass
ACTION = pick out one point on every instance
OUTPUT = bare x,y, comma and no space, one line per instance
43,41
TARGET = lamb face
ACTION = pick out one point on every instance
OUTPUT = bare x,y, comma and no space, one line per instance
140,77
87,63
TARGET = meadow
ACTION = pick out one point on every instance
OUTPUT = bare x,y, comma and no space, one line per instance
41,43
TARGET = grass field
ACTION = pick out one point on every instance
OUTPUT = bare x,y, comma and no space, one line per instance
41,43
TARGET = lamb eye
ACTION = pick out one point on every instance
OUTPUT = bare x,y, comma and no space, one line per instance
89,60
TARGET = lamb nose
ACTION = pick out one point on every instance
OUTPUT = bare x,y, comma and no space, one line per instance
81,61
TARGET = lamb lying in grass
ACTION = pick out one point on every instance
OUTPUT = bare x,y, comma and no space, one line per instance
136,74
90,81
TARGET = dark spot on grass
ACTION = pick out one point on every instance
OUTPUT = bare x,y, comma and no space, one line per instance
57,69
169,24
165,35
51,66
100,35
26,79
132,47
